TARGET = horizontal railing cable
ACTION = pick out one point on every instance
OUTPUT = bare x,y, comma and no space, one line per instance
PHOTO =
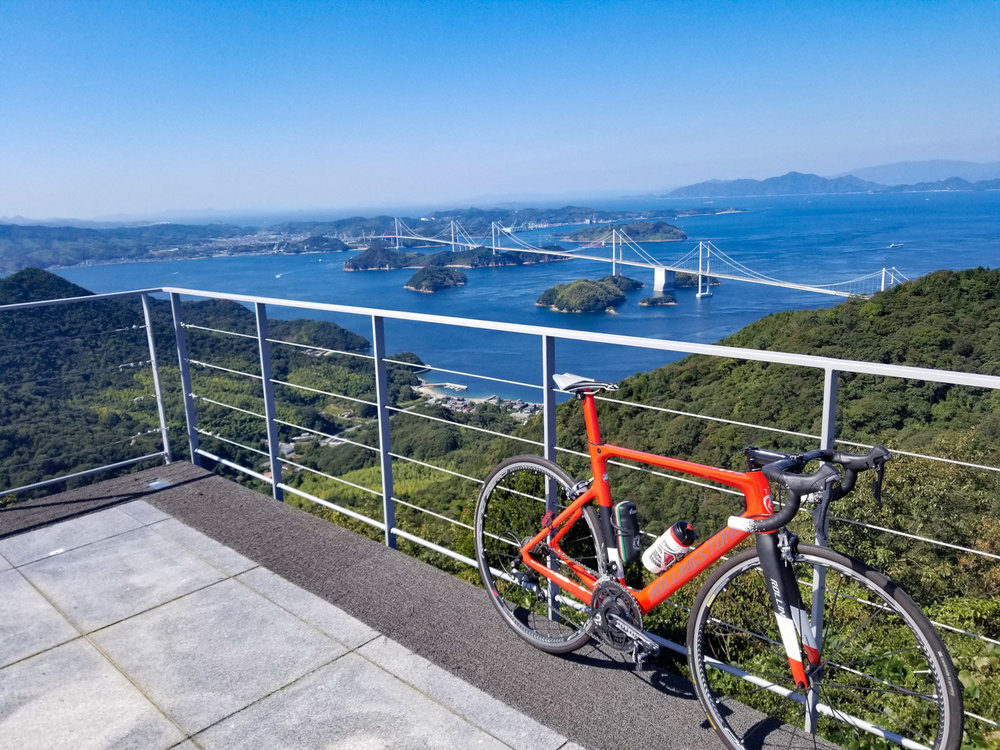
82,451
437,468
233,465
91,409
50,341
332,506
340,480
916,537
217,436
504,381
237,334
227,406
208,365
655,472
85,298
83,473
80,373
435,547
705,417
939,459
318,392
339,437
454,522
463,426
317,348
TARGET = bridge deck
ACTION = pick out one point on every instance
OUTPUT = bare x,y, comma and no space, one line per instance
159,633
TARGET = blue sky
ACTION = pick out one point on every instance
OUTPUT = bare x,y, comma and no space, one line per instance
135,108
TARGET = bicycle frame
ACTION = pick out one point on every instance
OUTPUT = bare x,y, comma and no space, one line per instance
757,495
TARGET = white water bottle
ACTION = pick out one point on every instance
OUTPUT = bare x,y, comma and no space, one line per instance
670,547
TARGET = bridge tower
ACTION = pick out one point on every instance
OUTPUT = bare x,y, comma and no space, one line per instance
614,237
704,262
397,234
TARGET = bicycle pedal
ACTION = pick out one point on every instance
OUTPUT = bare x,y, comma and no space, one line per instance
641,655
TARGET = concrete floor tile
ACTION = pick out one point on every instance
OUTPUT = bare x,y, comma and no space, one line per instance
212,653
143,512
228,561
317,612
5,563
110,580
350,703
28,623
478,708
65,536
71,697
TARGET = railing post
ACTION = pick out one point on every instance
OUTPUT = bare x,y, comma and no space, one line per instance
549,451
157,385
273,444
548,398
185,368
384,441
828,429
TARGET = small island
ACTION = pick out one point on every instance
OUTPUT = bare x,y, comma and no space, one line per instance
588,295
638,231
432,278
666,299
685,280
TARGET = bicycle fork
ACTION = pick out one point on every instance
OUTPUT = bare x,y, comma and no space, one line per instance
800,640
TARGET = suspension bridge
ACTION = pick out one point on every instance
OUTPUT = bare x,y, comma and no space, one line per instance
705,261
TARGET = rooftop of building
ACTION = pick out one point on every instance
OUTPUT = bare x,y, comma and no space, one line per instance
175,608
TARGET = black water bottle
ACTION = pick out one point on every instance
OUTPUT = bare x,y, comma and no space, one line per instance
626,525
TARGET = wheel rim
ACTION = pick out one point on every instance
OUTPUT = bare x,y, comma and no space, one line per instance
511,512
877,666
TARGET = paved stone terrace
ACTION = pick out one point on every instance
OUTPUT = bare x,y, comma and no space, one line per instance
174,608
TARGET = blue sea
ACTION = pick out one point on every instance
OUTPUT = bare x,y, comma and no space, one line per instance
810,240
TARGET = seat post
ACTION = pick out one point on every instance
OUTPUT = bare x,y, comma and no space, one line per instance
590,417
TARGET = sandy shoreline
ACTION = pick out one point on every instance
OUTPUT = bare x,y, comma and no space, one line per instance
436,390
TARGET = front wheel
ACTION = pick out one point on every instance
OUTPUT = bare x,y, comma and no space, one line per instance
511,506
884,678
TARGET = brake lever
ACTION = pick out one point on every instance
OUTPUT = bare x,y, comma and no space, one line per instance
877,484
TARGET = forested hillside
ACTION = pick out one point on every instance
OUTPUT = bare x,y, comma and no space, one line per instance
76,387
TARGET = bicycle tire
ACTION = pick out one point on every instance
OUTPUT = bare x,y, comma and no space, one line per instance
509,511
882,660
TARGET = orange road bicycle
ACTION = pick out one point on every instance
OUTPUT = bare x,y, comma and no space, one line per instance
788,644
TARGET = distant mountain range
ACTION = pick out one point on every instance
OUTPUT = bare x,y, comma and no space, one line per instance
985,177
934,170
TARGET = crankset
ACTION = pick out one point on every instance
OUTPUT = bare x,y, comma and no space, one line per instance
617,622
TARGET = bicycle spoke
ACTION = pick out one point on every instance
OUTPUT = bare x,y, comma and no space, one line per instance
509,512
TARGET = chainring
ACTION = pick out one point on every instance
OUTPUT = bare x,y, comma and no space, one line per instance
610,597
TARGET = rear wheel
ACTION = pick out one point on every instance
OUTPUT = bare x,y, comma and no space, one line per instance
509,512
884,676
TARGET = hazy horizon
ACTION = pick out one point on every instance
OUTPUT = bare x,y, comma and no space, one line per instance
117,109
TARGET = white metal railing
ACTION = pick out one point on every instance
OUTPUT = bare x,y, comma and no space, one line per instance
545,340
